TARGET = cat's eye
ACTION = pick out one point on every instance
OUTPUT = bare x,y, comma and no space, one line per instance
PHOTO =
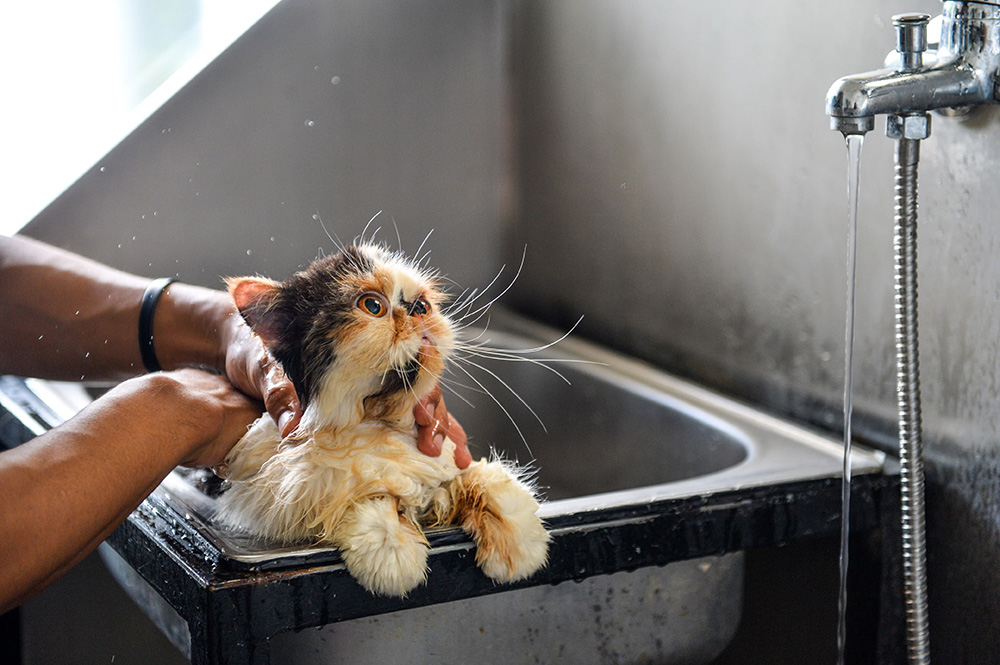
420,307
373,305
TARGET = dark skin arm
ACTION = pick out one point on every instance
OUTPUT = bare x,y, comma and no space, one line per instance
64,492
85,327
66,317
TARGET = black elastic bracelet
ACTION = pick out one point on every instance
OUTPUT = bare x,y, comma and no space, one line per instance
146,311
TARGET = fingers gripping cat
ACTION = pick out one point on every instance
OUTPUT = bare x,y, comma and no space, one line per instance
362,336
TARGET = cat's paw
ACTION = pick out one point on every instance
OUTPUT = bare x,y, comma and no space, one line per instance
386,553
501,515
513,551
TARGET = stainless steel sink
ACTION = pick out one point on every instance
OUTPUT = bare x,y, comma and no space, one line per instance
653,487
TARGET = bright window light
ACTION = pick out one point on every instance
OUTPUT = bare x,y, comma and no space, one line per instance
79,76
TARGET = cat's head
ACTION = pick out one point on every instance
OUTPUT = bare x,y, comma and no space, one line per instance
361,333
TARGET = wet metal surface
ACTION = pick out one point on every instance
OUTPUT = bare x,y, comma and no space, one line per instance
642,470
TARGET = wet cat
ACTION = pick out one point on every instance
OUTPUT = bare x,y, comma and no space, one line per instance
362,336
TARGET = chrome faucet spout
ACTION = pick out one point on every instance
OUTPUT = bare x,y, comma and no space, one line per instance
961,73
853,99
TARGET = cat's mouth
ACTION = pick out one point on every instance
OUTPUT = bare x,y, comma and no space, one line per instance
410,370
408,373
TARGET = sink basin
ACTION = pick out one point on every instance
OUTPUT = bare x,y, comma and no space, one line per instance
653,488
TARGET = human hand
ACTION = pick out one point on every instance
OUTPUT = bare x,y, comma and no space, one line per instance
434,423
252,369
209,414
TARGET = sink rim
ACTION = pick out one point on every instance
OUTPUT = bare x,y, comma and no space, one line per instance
777,452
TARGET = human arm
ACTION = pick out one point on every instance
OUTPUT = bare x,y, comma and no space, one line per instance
68,317
63,492
64,316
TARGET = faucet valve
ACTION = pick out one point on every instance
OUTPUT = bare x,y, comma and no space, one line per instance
911,39
911,42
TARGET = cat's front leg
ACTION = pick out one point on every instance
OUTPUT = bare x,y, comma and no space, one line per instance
500,513
384,550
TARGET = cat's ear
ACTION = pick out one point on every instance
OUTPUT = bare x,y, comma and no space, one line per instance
255,298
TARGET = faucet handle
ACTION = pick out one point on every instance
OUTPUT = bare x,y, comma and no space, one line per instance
911,42
911,39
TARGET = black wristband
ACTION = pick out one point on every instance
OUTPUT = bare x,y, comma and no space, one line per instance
146,311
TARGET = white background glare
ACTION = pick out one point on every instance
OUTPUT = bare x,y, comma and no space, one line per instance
79,76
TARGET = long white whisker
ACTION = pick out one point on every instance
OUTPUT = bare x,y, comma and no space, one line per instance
424,242
502,407
507,386
484,290
536,349
535,361
484,308
455,383
470,341
365,230
335,240
399,241
450,385
458,305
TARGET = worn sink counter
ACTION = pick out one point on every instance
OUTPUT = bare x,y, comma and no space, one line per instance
641,469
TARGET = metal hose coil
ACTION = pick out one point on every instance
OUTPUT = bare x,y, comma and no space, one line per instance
908,390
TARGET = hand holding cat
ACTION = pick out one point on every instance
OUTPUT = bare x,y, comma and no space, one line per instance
67,317
252,369
434,423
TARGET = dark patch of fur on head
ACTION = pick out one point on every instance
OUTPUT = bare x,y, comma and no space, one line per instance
311,303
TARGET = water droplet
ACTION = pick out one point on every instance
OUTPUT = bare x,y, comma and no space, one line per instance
335,80
249,252
155,213
41,336
316,68
272,238
133,237
316,215
104,169
143,217
119,245
87,354
310,123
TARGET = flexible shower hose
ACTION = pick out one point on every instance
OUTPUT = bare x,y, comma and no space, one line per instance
908,391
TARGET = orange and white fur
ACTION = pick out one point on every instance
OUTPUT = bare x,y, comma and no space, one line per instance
363,337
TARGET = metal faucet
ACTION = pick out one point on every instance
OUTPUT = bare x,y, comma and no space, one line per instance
960,73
